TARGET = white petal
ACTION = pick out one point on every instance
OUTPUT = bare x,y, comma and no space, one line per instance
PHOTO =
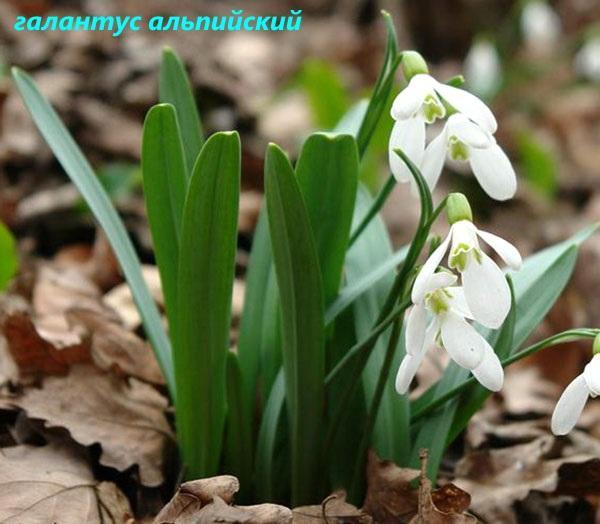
569,406
469,104
433,159
420,286
409,136
410,99
464,233
468,131
464,345
458,302
410,363
416,324
490,373
494,172
487,291
505,249
591,373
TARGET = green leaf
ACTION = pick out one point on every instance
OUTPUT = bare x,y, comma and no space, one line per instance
372,249
537,286
301,298
238,443
327,172
175,89
79,171
165,181
538,164
251,325
206,273
326,93
352,290
268,443
270,340
9,258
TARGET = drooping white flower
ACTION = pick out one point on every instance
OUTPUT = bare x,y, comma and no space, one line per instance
440,315
587,60
572,401
483,71
541,26
420,103
486,290
463,139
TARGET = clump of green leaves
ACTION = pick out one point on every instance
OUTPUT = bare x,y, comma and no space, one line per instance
293,409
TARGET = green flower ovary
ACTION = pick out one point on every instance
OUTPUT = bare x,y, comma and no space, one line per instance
432,109
459,256
458,149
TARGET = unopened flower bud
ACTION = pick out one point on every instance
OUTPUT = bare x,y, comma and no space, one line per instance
458,208
413,64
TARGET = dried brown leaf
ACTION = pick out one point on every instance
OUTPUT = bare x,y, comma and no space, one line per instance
54,483
125,417
334,509
192,496
498,478
390,496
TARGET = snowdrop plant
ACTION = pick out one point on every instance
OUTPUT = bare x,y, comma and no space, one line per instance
293,404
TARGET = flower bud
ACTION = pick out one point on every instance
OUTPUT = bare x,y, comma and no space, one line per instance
413,64
596,345
458,208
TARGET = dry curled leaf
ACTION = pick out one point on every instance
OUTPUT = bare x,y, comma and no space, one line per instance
125,417
498,478
390,496
220,511
114,347
192,496
54,483
333,510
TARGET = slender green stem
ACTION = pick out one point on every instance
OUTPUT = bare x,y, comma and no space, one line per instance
374,410
377,204
364,344
560,338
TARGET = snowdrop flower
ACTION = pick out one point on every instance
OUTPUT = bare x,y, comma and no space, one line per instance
572,401
422,102
439,314
587,60
483,72
540,25
462,139
486,290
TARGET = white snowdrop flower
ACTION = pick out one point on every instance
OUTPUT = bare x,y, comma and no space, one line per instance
440,315
486,290
483,71
540,25
572,401
464,140
421,103
587,60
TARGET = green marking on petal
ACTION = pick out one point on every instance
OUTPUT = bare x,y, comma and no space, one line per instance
458,149
437,301
432,109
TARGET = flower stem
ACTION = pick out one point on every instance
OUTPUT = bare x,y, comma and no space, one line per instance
560,338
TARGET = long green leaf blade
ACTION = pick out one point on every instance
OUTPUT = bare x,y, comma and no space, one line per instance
206,273
164,178
327,172
81,174
175,89
301,298
9,259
